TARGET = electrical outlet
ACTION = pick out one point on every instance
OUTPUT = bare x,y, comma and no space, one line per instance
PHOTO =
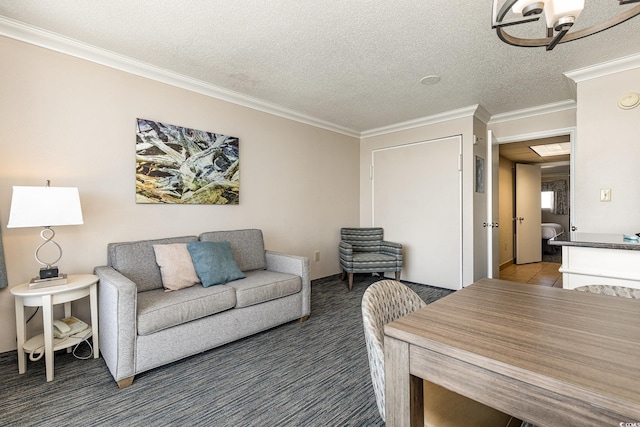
317,256
605,195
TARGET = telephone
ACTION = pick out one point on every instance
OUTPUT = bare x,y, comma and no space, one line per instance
68,326
67,332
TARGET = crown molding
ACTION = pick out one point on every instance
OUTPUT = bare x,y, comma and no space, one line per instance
604,69
55,42
538,135
482,114
423,121
539,110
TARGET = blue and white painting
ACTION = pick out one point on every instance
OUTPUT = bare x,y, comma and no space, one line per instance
175,164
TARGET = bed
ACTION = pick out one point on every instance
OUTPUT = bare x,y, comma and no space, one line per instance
550,230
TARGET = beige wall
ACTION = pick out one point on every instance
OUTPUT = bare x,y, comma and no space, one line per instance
608,155
73,121
510,130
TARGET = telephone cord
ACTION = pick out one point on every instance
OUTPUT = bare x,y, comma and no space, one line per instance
38,353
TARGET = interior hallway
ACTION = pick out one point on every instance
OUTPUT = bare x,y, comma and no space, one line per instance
538,273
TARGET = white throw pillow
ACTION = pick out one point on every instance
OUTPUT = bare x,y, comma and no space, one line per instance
176,266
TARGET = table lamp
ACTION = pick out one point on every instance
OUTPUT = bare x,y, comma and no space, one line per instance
45,207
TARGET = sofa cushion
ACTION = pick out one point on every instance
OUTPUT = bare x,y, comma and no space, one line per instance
159,310
263,285
137,260
214,263
176,267
247,246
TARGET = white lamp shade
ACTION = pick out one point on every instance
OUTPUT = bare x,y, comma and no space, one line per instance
553,9
521,4
44,207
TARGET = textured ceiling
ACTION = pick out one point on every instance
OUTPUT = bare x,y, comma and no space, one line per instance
355,64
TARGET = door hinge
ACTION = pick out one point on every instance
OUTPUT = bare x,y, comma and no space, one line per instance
459,162
371,172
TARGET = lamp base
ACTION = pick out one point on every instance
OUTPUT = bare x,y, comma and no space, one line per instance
49,273
51,281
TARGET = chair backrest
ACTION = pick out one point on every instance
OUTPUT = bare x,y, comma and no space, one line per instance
613,290
383,302
363,239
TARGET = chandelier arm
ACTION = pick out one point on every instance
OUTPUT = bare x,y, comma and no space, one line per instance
593,29
499,16
505,9
609,23
517,41
557,39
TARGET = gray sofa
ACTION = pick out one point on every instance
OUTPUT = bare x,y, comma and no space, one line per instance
143,327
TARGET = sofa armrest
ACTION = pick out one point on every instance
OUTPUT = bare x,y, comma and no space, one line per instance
292,264
117,305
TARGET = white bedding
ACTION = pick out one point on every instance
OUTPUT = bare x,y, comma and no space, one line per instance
551,229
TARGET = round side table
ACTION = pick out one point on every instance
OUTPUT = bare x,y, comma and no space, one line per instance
77,286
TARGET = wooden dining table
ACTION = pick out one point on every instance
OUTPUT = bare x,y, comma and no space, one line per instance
549,356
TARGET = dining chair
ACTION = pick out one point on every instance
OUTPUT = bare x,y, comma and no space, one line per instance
613,290
364,250
388,300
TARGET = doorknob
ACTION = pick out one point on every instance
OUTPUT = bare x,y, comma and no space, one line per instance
574,228
519,219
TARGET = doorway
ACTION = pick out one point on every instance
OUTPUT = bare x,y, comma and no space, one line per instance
555,172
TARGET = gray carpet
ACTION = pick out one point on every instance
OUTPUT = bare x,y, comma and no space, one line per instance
300,374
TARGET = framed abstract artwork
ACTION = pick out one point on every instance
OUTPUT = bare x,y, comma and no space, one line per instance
479,175
175,164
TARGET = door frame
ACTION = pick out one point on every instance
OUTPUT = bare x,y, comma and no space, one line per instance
493,221
571,131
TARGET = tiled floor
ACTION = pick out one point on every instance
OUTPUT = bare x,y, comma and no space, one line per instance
539,273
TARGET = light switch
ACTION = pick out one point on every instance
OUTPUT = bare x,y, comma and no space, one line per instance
605,195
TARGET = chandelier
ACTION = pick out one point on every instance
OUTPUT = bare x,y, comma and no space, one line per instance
560,15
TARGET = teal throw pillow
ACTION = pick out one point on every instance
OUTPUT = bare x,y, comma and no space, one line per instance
214,262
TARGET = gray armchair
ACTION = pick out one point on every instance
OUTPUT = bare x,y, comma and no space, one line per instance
363,250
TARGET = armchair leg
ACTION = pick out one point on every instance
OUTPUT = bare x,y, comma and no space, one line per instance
350,281
343,275
398,275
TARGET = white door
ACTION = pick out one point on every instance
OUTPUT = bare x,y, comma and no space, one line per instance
417,199
493,167
528,217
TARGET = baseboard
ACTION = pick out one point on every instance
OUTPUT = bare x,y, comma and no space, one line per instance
506,264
